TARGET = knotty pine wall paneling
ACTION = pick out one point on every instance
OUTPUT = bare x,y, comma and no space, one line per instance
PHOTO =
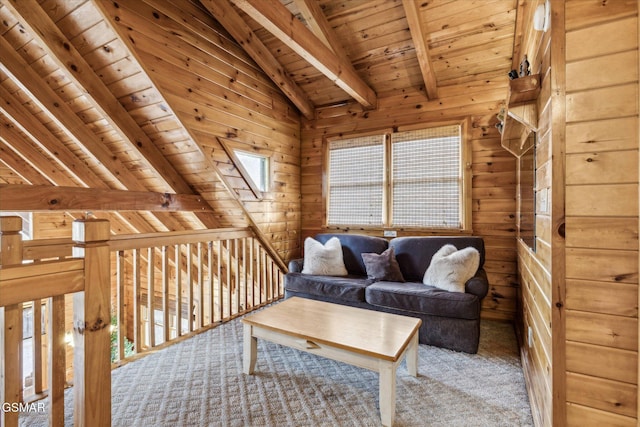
217,91
580,286
493,170
601,213
536,328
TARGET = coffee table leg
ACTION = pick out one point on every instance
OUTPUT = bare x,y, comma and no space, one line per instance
412,356
387,398
250,350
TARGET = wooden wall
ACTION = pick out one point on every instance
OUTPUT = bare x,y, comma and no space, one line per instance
601,212
534,267
493,170
217,91
580,286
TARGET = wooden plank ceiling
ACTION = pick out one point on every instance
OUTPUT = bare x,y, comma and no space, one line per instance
84,104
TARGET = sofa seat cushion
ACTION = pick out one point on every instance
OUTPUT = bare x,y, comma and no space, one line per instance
420,298
346,288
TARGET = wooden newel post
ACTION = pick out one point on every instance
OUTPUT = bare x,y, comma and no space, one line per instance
10,325
91,322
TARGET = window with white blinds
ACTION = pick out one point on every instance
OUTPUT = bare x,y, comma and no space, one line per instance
356,181
426,178
422,167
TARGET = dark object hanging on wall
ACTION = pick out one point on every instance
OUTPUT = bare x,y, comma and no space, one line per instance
524,67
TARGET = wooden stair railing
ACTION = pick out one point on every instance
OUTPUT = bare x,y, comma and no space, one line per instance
165,287
182,283
86,277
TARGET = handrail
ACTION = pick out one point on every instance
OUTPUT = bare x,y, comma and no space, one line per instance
62,277
87,277
46,248
167,286
138,241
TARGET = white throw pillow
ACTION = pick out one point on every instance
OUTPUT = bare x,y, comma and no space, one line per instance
323,260
450,268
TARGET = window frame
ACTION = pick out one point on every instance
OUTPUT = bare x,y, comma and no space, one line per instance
387,214
232,147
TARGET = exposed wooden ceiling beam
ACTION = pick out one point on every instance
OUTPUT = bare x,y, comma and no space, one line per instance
412,11
49,101
277,19
53,42
44,198
22,118
34,157
110,12
242,33
67,57
20,167
316,20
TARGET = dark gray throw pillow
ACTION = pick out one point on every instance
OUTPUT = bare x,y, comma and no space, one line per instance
382,266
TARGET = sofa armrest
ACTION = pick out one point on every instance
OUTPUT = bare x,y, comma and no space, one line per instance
295,265
478,284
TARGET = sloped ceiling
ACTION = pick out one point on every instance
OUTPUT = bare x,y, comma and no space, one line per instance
135,94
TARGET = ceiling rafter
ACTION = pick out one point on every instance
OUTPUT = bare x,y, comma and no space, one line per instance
48,100
110,13
20,166
45,197
67,57
28,81
22,145
242,33
316,20
412,11
277,19
22,119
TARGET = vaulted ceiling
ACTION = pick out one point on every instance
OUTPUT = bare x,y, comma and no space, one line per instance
116,95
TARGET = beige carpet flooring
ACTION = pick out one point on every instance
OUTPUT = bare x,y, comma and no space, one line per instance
199,382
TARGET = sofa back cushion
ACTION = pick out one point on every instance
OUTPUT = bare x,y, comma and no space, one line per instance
353,246
414,253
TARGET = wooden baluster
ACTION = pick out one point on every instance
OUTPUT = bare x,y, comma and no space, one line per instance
236,275
264,283
178,292
258,284
11,324
200,312
36,340
272,278
120,296
92,363
251,279
165,294
210,280
228,279
137,314
151,296
219,270
189,288
57,371
245,300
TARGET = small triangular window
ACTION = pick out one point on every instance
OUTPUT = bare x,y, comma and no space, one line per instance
257,167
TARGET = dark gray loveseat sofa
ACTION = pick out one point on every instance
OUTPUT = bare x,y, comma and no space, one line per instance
449,319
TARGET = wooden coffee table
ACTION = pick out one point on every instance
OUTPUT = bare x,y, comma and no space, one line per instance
364,338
